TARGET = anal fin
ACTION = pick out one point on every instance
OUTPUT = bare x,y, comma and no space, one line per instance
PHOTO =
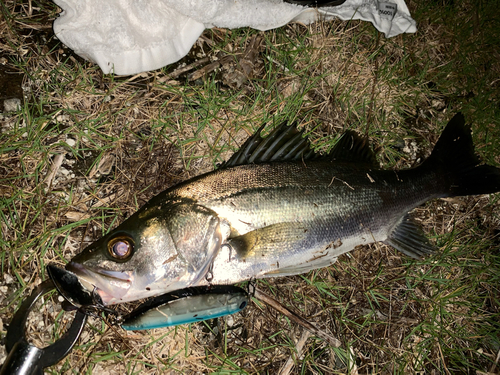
302,267
408,238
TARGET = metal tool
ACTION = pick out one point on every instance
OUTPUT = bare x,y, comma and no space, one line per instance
27,359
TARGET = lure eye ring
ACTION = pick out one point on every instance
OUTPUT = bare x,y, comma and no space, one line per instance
121,247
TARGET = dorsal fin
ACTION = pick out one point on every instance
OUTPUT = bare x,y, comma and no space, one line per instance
285,143
353,149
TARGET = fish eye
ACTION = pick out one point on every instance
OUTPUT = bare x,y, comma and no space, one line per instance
121,247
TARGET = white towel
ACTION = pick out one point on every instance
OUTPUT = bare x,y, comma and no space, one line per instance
133,36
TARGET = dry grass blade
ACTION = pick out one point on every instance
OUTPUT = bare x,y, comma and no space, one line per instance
287,368
294,317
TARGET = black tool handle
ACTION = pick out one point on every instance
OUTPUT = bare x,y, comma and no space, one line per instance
27,359
23,359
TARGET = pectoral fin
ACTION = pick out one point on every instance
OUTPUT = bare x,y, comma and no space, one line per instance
277,250
271,242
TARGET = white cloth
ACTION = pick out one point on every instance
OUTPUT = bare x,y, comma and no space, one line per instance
132,36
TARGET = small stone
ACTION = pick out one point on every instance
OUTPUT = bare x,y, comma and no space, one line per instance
62,118
71,142
11,105
8,279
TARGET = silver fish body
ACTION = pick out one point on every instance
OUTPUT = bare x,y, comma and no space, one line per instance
289,218
276,208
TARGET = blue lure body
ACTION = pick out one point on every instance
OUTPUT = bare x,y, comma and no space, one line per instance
186,306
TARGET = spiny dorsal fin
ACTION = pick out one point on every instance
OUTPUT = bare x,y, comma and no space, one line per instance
353,149
285,143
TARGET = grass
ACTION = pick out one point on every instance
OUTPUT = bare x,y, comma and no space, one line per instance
122,140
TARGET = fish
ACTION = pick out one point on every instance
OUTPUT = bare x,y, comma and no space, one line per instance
275,208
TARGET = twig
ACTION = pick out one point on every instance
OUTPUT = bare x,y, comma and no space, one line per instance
285,370
492,369
210,68
260,295
176,73
280,65
56,164
352,360
442,357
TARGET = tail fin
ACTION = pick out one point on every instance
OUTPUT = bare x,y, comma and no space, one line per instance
455,158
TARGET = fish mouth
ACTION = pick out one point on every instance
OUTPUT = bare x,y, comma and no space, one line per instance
85,286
